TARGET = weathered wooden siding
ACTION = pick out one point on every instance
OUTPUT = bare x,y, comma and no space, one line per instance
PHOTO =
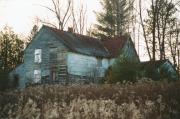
20,71
86,65
129,51
45,41
169,70
56,54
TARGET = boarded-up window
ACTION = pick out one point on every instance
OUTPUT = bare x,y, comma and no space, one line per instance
37,56
53,55
37,76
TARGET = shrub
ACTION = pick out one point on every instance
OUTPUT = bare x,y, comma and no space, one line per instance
142,100
124,69
152,73
15,81
4,80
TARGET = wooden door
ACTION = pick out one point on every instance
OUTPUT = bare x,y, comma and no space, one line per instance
53,73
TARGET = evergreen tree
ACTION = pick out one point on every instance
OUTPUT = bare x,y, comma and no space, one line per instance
124,69
115,18
11,49
11,55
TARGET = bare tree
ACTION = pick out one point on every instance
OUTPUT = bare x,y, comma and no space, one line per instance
79,18
143,28
62,18
173,42
72,15
155,26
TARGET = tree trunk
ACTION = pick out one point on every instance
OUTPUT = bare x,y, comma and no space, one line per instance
144,31
118,18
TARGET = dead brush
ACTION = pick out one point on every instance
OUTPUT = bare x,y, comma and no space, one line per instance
138,100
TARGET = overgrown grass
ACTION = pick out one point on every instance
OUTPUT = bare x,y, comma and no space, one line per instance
146,100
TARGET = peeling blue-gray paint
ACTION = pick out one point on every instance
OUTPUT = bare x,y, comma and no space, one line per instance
86,65
91,62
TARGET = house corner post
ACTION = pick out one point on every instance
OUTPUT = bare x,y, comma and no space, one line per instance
178,65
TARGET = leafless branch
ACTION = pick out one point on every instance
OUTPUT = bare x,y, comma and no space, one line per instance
61,18
143,27
48,23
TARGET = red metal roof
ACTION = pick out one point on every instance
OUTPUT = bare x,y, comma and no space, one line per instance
81,43
109,47
114,45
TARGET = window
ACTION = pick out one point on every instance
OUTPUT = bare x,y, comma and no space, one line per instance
37,76
37,57
53,73
99,63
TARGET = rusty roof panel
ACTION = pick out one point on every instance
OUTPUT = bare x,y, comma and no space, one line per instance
89,45
114,45
82,44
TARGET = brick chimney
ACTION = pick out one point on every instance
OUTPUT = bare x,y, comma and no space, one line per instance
70,29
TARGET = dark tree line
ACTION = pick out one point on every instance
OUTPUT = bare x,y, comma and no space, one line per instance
11,52
11,49
11,55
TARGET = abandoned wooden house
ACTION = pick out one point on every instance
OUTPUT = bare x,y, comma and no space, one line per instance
160,69
63,56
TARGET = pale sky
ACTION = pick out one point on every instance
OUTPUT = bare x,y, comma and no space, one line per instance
20,14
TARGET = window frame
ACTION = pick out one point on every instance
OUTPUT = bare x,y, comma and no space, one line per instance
99,62
38,55
37,75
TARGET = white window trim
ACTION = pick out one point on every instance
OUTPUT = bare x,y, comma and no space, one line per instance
37,76
37,55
